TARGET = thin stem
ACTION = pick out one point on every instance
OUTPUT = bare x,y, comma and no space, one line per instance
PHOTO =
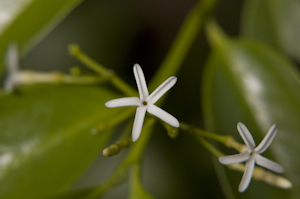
124,141
183,41
227,140
116,147
134,154
71,79
197,131
172,131
210,147
101,70
28,77
123,115
76,51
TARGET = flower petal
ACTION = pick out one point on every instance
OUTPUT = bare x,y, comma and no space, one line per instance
163,115
237,158
9,83
126,101
246,135
12,58
269,164
162,89
12,67
247,175
138,122
140,81
265,143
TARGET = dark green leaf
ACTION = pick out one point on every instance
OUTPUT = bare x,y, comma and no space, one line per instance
45,136
250,83
30,21
76,194
137,190
275,22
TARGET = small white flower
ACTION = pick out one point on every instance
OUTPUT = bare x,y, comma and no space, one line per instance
12,66
252,155
145,102
16,77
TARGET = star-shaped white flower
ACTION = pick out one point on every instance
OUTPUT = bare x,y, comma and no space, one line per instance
145,102
252,155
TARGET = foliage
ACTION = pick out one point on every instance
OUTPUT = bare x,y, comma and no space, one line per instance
51,131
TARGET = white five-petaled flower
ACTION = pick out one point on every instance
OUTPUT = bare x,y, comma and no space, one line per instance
252,155
146,102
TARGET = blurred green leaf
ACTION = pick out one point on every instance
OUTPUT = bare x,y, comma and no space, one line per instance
250,83
28,21
45,139
137,190
275,22
76,194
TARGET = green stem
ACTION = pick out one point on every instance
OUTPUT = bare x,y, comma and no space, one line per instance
101,70
28,77
134,154
124,141
123,115
199,134
210,147
71,79
183,41
197,131
76,51
227,140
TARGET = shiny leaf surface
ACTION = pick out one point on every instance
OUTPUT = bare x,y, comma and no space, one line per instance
45,136
32,18
275,22
250,83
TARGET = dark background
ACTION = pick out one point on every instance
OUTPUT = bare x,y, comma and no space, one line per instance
119,34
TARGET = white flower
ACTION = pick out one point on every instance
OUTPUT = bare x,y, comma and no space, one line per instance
146,102
16,77
252,155
12,66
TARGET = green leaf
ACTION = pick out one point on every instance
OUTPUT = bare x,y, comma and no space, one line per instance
137,191
275,22
76,194
248,82
28,21
45,136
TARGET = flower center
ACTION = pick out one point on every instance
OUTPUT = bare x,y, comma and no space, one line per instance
144,103
252,154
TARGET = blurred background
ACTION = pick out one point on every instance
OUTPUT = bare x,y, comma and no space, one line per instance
118,34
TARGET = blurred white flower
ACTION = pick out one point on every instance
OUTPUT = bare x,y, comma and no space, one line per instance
252,155
16,77
12,67
146,102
